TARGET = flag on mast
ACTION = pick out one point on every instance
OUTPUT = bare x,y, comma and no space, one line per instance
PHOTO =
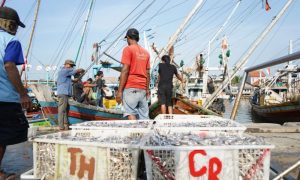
267,6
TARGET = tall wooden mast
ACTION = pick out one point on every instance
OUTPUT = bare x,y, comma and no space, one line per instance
30,41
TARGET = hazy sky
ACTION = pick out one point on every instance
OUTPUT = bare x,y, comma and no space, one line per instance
60,24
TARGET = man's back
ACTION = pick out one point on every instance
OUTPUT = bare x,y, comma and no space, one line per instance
166,73
64,81
139,61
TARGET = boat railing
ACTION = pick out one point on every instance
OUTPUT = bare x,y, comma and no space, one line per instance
289,170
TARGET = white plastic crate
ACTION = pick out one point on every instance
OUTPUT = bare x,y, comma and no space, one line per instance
116,124
183,116
28,175
200,123
32,131
226,162
87,156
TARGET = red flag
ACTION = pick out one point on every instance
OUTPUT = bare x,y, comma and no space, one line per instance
267,6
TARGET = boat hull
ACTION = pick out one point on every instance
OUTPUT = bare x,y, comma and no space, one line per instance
286,112
180,106
79,113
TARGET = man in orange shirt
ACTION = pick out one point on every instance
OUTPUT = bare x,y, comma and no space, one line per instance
134,78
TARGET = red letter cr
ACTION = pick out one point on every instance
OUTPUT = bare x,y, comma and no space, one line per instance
193,171
212,175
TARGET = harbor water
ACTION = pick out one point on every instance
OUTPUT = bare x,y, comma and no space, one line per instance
244,111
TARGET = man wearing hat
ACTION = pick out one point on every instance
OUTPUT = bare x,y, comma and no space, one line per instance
134,78
13,95
64,91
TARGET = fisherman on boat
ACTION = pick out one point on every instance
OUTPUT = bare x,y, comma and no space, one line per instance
100,82
165,84
134,78
13,95
64,91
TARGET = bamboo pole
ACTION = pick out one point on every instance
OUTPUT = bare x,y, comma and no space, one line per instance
30,42
238,97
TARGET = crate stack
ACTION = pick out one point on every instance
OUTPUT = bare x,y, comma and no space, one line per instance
174,147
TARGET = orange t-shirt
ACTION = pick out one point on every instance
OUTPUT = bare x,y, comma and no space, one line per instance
139,61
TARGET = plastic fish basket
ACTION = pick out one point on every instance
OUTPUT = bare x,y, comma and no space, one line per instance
183,116
200,123
115,124
106,155
202,162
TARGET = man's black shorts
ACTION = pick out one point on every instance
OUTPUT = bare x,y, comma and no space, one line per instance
165,95
13,124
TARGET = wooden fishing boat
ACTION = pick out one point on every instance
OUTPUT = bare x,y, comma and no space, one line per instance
180,106
77,112
280,102
278,113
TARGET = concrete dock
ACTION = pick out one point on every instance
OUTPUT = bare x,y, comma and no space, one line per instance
286,139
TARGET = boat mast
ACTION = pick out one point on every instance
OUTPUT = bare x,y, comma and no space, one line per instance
205,75
30,42
245,58
2,3
84,30
175,36
172,41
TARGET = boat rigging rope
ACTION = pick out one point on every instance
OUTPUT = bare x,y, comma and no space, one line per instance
111,32
63,44
115,43
142,12
154,15
164,11
236,23
273,35
83,43
24,33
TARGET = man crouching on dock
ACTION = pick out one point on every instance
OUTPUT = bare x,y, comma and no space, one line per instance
13,95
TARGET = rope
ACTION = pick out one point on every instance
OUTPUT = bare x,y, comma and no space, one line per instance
55,59
155,14
142,12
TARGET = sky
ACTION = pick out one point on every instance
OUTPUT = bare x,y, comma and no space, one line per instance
60,24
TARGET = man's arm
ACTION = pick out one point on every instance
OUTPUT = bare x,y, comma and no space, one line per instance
157,81
148,82
179,77
15,79
90,85
123,80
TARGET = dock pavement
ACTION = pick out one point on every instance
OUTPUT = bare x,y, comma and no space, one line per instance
285,138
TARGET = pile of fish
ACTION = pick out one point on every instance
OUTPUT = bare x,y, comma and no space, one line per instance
123,124
190,139
204,123
130,139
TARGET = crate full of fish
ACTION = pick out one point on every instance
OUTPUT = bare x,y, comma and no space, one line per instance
116,124
183,116
108,155
201,123
191,156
